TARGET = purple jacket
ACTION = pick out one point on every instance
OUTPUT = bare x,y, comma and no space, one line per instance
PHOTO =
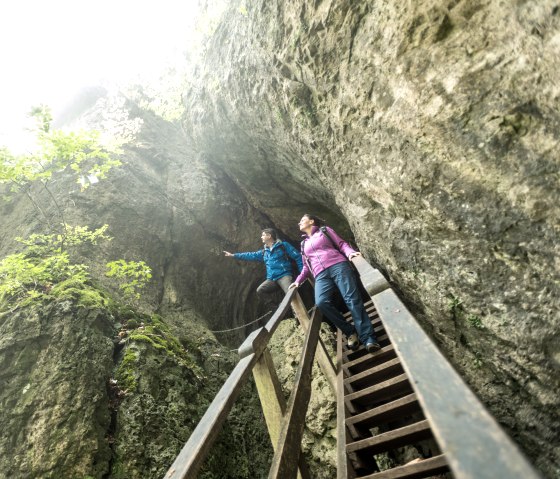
321,254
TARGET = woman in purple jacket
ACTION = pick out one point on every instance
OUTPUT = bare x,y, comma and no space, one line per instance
327,259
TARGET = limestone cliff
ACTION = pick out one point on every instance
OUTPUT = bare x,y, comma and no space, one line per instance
425,131
432,128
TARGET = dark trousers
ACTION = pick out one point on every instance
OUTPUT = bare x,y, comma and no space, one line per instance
269,286
342,277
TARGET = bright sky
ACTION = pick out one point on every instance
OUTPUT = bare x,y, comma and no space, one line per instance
51,49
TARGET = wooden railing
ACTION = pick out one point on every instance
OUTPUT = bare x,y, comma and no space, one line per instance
474,445
285,422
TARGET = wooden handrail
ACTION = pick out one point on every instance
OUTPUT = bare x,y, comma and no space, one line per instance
322,356
189,460
284,422
473,443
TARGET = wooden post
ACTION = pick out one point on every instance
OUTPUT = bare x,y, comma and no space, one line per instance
286,455
322,355
189,460
273,402
341,457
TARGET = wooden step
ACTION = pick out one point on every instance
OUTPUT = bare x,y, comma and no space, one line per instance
385,413
349,354
372,314
370,309
377,326
416,470
375,374
388,441
366,361
397,386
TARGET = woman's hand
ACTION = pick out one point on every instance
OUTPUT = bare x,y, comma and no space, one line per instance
227,253
353,255
293,285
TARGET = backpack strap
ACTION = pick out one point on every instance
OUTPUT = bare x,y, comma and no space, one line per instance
326,233
304,256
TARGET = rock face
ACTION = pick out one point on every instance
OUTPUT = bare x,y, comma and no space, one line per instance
76,405
55,365
426,132
432,128
165,385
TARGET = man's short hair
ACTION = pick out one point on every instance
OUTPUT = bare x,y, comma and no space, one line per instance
271,232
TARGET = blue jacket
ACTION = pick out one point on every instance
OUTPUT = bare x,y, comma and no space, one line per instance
276,258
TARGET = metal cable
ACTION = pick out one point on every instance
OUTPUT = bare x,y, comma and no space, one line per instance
243,325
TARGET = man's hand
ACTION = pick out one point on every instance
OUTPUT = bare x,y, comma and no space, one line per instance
227,253
293,285
353,255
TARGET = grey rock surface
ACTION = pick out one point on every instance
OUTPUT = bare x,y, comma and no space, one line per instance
426,132
432,128
55,365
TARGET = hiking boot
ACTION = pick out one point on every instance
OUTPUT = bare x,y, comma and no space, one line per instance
352,342
372,346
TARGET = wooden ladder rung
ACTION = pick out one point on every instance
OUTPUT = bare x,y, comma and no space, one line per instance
393,439
373,316
375,374
416,470
369,309
350,355
387,412
377,393
368,360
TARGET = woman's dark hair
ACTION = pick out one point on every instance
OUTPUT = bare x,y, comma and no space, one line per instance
318,221
271,232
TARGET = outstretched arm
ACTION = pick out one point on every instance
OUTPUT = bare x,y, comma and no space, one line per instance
254,256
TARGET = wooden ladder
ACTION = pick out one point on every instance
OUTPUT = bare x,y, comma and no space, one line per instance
379,412
405,395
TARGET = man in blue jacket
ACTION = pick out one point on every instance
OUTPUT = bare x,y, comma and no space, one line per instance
276,256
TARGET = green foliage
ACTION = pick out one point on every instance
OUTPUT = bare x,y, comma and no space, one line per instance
76,289
43,117
477,361
44,262
125,373
458,312
46,259
44,269
455,305
475,321
152,331
81,151
41,244
22,274
134,275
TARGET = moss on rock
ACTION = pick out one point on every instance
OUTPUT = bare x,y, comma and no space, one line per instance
167,392
55,358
